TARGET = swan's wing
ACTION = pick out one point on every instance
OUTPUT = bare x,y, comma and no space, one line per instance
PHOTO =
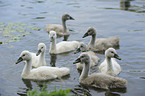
45,72
97,80
67,46
95,58
116,67
58,28
100,43
114,41
105,43
103,66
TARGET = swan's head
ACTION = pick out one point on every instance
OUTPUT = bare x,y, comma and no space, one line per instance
90,32
24,56
52,35
67,17
82,48
111,53
41,48
83,58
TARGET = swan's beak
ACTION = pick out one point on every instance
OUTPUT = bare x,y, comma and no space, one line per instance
77,61
77,51
71,18
19,60
39,51
85,35
117,57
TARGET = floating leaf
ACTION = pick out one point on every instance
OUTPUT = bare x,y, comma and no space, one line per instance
40,1
142,77
40,18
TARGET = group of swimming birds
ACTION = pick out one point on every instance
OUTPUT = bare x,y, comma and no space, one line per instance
109,68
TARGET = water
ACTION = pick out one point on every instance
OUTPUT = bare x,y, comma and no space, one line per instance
104,15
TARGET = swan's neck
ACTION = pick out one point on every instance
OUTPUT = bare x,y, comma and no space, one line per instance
85,72
64,25
53,46
27,68
92,41
42,61
109,64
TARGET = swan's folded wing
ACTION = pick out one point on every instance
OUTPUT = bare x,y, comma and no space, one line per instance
55,27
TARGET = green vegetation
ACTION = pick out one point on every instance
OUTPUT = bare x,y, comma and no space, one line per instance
47,93
13,32
142,77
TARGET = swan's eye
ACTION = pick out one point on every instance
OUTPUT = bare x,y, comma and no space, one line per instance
41,47
23,55
112,52
82,57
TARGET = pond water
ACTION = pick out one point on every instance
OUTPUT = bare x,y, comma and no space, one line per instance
105,15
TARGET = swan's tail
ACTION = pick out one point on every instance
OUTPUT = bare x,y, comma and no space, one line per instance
64,71
119,83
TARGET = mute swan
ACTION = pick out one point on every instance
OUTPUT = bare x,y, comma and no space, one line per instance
98,80
94,59
110,66
61,30
41,52
42,72
61,47
101,44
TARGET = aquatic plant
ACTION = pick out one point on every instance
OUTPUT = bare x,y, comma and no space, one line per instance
12,32
57,92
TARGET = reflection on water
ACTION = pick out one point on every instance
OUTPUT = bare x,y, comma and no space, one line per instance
42,85
27,83
53,58
65,37
82,90
105,15
124,4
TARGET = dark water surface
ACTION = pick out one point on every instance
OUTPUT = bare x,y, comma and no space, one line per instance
104,15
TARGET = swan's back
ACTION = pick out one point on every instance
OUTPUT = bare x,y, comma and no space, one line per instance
46,73
100,80
105,43
67,46
58,28
93,56
94,60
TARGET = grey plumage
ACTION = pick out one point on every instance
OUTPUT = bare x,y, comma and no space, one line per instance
98,80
